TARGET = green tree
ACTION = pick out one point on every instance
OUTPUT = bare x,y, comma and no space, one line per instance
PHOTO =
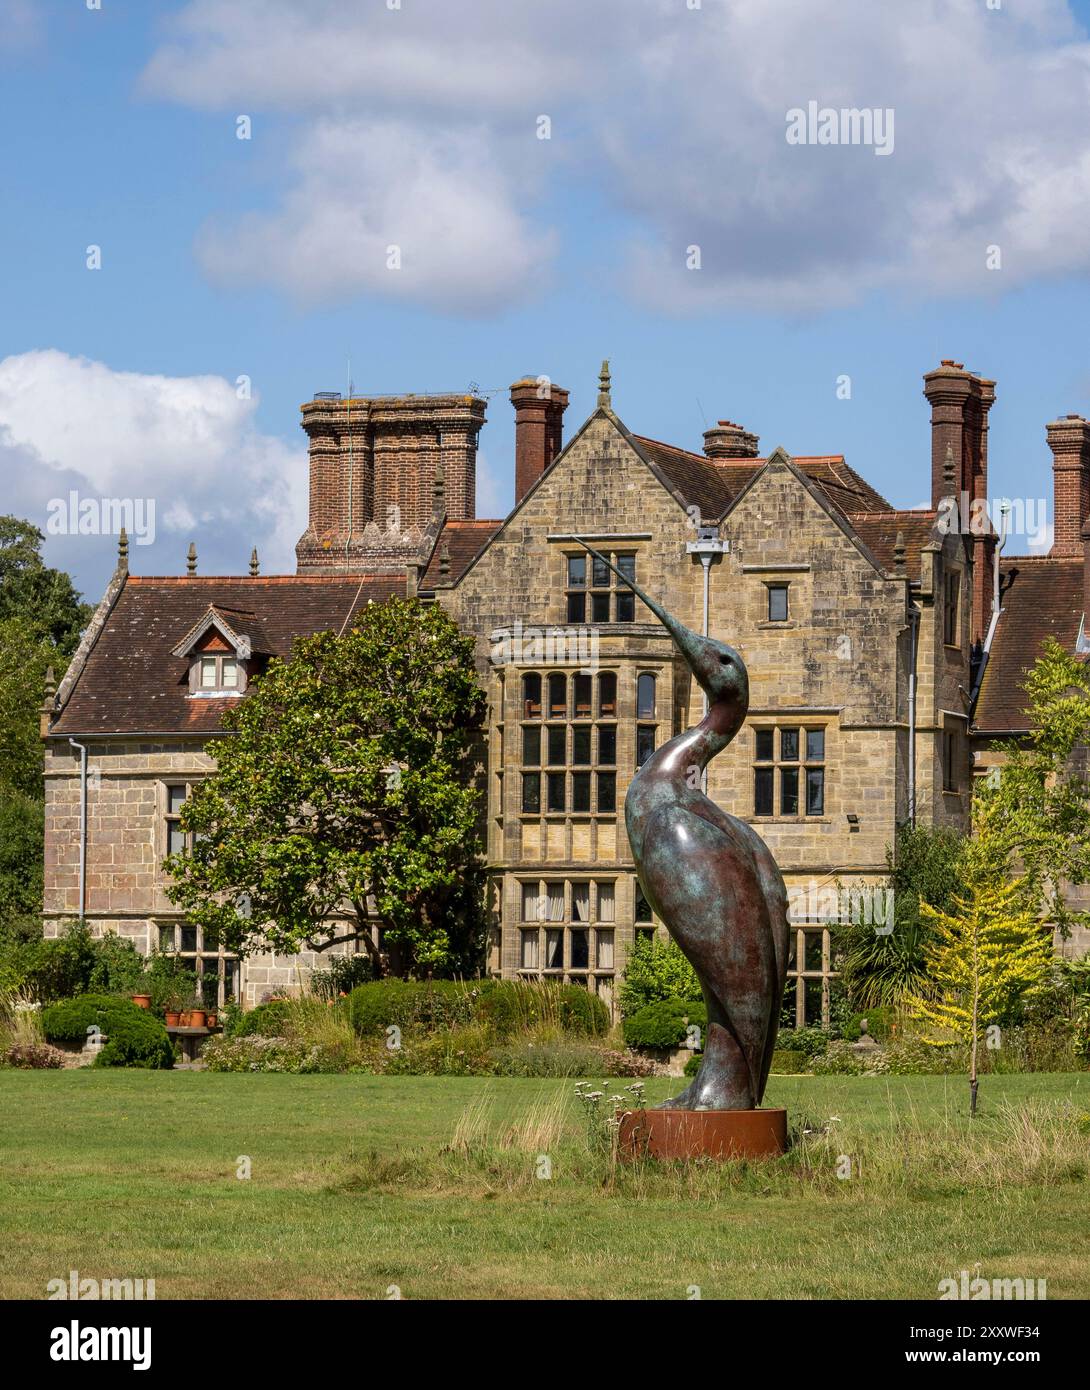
986,957
42,599
1031,816
925,870
346,774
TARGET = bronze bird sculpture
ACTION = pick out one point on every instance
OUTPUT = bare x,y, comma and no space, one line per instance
712,880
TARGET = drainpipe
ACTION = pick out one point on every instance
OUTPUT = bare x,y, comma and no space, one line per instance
82,829
914,621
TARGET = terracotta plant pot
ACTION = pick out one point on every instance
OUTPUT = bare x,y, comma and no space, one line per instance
142,1001
196,1018
173,1018
210,1020
184,1018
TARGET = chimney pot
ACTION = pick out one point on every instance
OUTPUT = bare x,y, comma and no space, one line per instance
1069,440
730,441
539,429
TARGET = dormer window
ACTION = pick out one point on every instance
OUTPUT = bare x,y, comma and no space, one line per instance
219,650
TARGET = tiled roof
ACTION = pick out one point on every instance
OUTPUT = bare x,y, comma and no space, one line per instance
713,484
695,477
131,683
1042,596
878,531
464,540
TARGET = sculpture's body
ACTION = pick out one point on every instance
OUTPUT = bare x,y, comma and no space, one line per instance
713,881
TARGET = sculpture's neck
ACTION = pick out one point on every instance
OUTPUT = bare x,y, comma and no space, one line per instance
713,733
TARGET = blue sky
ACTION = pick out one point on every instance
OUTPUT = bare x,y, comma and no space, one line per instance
223,257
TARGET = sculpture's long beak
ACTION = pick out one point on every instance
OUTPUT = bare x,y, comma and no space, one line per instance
689,643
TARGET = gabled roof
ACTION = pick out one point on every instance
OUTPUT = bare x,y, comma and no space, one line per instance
713,484
239,628
1041,596
879,532
130,680
464,540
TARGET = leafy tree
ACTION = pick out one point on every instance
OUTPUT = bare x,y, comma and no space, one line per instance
656,969
24,660
1032,815
346,776
925,870
44,600
987,956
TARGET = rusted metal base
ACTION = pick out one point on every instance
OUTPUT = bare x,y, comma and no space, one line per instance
703,1133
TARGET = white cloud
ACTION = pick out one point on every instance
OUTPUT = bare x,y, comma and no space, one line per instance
362,189
188,444
418,125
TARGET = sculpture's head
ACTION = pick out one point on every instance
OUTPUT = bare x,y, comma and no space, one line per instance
719,670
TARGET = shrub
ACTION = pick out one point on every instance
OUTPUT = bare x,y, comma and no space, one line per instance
251,1053
429,1004
36,1055
788,1063
914,1057
839,1060
656,969
881,1022
692,1066
266,1021
460,1051
510,1007
664,1023
809,1041
134,1038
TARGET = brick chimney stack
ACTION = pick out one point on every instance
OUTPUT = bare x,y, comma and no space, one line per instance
1069,440
730,441
539,427
374,462
960,402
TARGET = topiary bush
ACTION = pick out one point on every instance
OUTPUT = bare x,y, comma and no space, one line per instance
134,1037
664,1023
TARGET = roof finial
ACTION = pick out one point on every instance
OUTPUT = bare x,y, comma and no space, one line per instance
948,471
45,710
439,489
123,551
191,558
604,386
255,566
444,561
899,553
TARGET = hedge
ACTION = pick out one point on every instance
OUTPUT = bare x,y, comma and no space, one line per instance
510,1006
134,1037
505,1006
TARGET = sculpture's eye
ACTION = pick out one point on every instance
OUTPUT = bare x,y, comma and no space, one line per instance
724,658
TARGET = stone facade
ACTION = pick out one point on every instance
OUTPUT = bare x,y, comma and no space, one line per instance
861,627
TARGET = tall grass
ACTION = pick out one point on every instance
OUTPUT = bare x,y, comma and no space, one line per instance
1035,1144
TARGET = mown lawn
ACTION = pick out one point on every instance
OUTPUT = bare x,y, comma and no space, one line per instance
129,1174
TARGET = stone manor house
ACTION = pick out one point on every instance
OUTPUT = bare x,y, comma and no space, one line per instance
883,666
